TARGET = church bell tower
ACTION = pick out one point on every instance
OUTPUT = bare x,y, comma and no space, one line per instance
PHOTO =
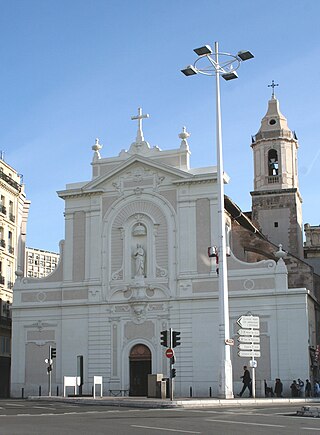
276,200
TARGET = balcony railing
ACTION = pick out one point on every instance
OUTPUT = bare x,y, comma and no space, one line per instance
3,210
11,250
12,217
10,181
10,284
2,243
273,179
1,280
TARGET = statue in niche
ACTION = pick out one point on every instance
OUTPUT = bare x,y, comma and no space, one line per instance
139,256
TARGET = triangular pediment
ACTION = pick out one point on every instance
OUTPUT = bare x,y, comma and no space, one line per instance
137,167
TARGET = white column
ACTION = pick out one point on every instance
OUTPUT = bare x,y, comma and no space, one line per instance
225,375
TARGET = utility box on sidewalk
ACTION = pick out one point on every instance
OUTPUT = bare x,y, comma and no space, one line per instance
157,388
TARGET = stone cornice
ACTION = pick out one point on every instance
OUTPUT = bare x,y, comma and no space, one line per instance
279,192
78,193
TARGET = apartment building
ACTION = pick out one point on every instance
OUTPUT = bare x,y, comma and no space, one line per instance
40,263
14,209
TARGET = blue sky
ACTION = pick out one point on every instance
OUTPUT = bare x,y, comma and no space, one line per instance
74,70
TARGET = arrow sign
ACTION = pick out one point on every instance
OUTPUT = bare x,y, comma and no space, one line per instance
246,339
249,353
248,332
248,322
248,346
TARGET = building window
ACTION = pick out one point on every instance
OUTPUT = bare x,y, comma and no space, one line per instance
276,224
5,345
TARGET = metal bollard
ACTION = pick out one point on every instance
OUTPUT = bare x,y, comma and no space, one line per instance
190,391
22,393
39,390
57,390
210,392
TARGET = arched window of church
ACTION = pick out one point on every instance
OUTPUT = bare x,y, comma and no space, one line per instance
273,163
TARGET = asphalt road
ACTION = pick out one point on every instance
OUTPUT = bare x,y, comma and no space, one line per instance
23,417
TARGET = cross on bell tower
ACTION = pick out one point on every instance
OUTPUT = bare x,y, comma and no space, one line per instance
276,199
273,85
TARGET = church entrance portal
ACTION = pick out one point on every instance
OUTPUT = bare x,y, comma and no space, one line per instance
140,368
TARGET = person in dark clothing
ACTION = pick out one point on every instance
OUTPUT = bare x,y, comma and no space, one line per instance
246,379
278,387
294,389
308,388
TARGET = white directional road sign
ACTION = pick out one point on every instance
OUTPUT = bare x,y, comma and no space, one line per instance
248,346
249,353
245,339
248,322
250,332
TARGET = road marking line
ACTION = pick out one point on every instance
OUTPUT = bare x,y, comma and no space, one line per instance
244,422
163,428
310,428
14,404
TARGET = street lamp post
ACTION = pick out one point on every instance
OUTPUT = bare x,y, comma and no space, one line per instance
224,64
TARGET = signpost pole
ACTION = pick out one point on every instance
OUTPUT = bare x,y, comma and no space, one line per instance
253,374
171,380
50,369
249,346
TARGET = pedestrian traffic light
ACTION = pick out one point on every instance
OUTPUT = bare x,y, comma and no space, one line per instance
53,352
175,338
49,368
173,373
164,338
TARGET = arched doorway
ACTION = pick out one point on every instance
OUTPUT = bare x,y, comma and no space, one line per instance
140,368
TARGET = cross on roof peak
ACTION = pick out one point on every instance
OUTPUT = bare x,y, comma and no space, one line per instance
139,118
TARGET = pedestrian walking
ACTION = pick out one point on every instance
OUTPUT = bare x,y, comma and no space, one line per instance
247,382
316,389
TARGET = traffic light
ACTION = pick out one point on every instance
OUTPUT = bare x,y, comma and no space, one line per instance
173,373
164,338
53,352
175,338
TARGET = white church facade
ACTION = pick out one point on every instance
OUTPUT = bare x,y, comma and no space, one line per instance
134,263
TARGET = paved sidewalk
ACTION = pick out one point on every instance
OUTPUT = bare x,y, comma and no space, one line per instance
144,402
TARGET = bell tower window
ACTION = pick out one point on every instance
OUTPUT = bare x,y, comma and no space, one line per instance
273,163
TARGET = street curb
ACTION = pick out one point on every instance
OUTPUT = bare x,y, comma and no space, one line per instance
135,402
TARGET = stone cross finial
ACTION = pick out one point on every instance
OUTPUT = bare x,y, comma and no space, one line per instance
139,117
273,85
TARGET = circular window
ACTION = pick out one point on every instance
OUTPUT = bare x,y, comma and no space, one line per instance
272,121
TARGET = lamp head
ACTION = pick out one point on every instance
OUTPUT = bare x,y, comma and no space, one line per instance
230,75
202,51
189,70
245,55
